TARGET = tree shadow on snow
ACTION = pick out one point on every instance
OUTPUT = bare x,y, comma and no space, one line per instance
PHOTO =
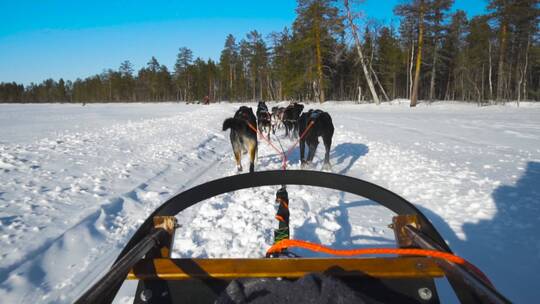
343,237
347,153
506,247
274,160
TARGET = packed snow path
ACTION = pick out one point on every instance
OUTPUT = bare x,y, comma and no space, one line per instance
76,188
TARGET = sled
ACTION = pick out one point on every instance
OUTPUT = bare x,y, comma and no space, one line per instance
405,274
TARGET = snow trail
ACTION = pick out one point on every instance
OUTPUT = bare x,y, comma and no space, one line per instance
72,194
91,224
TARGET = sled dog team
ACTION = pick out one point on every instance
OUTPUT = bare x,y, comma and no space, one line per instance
307,126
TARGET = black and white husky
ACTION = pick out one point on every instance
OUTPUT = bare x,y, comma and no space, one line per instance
264,118
243,136
290,118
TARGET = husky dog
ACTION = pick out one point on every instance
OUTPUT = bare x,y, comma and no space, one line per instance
243,136
264,118
277,118
290,118
321,126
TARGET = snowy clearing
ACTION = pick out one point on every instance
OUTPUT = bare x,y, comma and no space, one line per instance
78,181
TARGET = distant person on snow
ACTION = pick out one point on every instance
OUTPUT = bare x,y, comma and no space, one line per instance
206,100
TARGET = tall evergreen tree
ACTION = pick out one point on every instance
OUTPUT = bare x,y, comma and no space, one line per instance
500,10
436,14
228,61
258,64
127,83
182,76
478,65
315,29
279,62
453,56
389,60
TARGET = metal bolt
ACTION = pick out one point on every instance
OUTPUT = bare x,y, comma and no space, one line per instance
146,295
425,293
420,266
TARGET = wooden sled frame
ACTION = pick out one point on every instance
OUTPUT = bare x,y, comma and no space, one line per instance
147,255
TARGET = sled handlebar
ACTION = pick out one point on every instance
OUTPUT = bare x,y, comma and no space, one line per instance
105,287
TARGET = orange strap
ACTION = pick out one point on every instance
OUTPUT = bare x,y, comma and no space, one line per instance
284,244
280,218
281,201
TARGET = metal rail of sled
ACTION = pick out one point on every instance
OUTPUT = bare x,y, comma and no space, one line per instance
146,257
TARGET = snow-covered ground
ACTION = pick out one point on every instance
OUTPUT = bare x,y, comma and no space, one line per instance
76,182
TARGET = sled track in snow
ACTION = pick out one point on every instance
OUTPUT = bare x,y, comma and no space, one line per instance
112,212
97,237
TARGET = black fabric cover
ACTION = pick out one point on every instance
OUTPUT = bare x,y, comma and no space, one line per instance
312,288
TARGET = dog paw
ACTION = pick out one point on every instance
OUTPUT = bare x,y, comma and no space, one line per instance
327,167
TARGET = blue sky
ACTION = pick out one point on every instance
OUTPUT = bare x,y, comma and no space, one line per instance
42,39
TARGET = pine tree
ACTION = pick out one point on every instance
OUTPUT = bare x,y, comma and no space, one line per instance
61,92
478,66
517,24
389,59
182,77
315,28
228,61
408,29
279,62
127,83
436,13
245,79
258,64
421,12
500,10
452,52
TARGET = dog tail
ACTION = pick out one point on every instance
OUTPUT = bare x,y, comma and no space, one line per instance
233,123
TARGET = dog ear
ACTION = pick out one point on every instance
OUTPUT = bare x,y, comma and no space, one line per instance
238,112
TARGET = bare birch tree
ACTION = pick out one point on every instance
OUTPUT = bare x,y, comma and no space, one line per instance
360,53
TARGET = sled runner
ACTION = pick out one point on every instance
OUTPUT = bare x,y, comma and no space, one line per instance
405,274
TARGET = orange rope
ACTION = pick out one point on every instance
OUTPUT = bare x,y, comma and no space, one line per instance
284,244
350,252
311,123
284,156
281,201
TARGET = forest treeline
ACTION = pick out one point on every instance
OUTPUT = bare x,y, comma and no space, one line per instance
436,53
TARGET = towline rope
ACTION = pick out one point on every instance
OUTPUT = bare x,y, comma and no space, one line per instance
284,155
